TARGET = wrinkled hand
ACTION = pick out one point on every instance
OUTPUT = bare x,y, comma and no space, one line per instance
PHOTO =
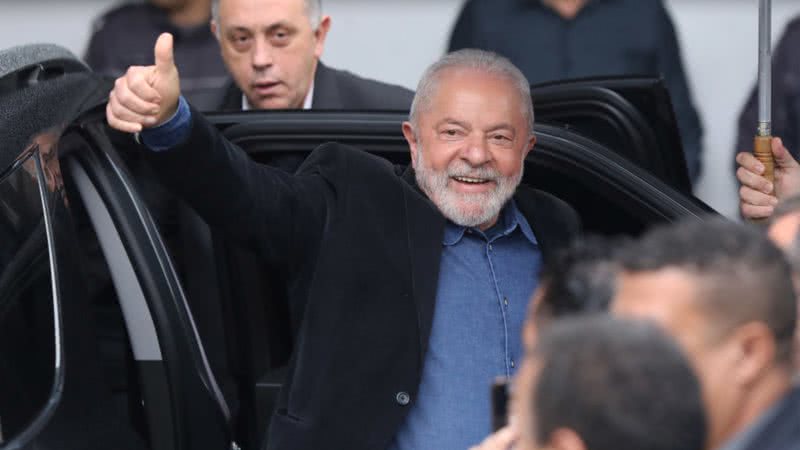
146,96
757,196
503,439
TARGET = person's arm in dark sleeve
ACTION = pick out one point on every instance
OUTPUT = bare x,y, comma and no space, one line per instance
747,124
463,35
670,66
260,207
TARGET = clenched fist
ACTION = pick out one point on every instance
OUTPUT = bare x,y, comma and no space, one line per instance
146,96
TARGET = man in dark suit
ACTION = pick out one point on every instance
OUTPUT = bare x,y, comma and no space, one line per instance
725,292
562,39
408,287
272,50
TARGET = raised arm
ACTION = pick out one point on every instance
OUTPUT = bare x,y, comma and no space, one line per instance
259,206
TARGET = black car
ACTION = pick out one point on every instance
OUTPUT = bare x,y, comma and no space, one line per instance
128,324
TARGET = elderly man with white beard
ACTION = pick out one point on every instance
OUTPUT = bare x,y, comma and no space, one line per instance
408,287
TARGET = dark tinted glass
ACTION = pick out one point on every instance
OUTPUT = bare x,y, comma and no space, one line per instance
27,330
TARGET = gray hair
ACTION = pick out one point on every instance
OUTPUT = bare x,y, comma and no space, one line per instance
471,59
313,11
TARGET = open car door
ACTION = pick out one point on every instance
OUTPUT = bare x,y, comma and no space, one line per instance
81,366
631,116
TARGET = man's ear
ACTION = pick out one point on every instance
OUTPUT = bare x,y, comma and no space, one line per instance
565,439
530,144
321,33
411,138
756,351
214,28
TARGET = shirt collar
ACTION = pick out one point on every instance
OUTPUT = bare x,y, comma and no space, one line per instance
510,218
306,103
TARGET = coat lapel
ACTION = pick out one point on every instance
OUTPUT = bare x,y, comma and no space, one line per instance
326,89
232,98
425,226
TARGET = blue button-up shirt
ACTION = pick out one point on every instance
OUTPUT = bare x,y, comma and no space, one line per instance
485,282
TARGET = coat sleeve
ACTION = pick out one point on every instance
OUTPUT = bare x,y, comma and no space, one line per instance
670,66
785,98
258,206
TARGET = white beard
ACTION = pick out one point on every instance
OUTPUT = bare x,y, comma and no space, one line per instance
467,210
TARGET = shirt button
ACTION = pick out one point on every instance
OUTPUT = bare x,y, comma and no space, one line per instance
505,301
402,398
513,364
490,247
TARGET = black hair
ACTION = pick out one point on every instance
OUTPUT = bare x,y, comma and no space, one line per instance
618,384
742,276
579,278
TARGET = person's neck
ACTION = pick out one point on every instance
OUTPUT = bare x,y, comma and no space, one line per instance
768,391
567,9
192,14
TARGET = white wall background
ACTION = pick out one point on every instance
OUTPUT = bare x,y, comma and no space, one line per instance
394,40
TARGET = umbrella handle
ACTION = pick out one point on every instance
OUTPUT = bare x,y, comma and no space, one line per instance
763,152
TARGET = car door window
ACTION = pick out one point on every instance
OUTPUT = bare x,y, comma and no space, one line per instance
29,350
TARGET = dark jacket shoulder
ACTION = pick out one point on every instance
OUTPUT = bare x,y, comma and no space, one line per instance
340,89
554,222
782,432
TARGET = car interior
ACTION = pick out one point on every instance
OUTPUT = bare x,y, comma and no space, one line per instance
136,325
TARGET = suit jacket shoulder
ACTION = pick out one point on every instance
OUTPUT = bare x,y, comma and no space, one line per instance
339,89
783,431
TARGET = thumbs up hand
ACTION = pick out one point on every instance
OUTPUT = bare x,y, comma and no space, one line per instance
146,96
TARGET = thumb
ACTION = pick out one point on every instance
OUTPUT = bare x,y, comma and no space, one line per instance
782,156
163,53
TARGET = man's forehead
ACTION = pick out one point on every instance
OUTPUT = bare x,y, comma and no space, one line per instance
463,91
648,291
466,77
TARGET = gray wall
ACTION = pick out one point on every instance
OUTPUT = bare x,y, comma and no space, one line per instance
395,40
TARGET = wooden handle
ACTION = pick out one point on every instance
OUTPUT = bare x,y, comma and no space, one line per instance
763,152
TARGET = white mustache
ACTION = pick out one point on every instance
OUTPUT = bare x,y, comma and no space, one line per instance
483,173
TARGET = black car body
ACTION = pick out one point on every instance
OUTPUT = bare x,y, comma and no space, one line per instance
107,340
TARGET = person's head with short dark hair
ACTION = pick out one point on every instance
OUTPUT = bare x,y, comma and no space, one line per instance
725,292
578,279
603,383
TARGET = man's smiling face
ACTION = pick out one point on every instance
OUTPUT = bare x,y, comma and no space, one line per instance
469,145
